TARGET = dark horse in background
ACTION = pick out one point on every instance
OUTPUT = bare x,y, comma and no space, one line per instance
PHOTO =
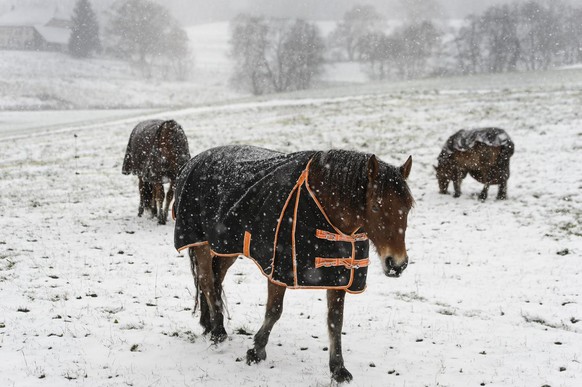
482,153
155,152
304,218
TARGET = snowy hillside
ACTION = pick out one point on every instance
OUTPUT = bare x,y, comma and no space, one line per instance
56,81
93,295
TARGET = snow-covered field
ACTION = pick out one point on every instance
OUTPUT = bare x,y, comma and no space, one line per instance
92,295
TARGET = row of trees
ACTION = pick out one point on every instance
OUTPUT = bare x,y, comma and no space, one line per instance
141,32
525,36
530,35
274,55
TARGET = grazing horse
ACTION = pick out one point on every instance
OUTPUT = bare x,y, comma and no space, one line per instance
304,218
482,153
155,152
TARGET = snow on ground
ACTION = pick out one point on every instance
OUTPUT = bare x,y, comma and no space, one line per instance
93,295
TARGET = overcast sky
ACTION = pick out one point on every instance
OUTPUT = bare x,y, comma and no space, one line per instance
201,11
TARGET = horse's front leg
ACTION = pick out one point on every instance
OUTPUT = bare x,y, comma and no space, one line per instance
276,294
335,320
458,177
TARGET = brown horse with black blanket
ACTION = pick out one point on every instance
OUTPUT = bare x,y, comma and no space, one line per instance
483,153
304,218
155,152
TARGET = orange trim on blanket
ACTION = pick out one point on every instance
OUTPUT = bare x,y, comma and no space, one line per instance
349,263
294,228
247,244
330,236
193,245
300,181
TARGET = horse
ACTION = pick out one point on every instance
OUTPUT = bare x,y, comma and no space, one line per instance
155,152
483,153
305,218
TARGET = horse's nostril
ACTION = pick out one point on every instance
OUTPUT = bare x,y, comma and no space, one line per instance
394,270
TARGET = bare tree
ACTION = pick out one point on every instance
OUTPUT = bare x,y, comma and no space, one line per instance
540,34
421,41
468,42
275,55
573,36
356,23
501,44
249,43
144,32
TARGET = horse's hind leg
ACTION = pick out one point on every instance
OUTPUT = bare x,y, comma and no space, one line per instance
158,204
206,281
335,320
272,315
483,194
200,298
145,195
502,192
169,197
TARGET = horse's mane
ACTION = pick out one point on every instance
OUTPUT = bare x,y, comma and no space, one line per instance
345,174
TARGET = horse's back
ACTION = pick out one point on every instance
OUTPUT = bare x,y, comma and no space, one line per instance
466,139
484,153
213,188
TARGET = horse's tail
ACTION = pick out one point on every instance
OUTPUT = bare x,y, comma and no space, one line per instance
504,156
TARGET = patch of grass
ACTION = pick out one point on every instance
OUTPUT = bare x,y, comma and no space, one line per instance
410,296
446,312
541,321
242,331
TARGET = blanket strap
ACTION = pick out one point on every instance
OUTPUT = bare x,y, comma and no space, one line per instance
330,236
347,262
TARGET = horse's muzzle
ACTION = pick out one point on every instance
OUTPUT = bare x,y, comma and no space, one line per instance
393,270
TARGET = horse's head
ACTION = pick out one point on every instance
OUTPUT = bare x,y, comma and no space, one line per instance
358,191
388,202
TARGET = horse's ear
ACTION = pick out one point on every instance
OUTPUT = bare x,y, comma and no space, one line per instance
372,168
405,168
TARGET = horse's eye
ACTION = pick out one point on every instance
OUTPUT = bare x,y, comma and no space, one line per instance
375,208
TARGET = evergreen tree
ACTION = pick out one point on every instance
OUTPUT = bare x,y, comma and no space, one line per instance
84,38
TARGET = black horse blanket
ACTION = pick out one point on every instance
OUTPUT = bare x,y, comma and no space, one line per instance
243,200
466,139
143,156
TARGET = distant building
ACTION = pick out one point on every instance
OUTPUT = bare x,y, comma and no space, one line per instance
30,29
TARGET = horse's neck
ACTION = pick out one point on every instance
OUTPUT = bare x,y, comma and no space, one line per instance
345,218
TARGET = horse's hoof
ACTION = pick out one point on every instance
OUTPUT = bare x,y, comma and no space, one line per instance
342,375
456,195
218,336
254,357
161,221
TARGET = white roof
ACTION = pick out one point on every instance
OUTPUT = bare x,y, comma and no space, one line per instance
54,34
32,16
